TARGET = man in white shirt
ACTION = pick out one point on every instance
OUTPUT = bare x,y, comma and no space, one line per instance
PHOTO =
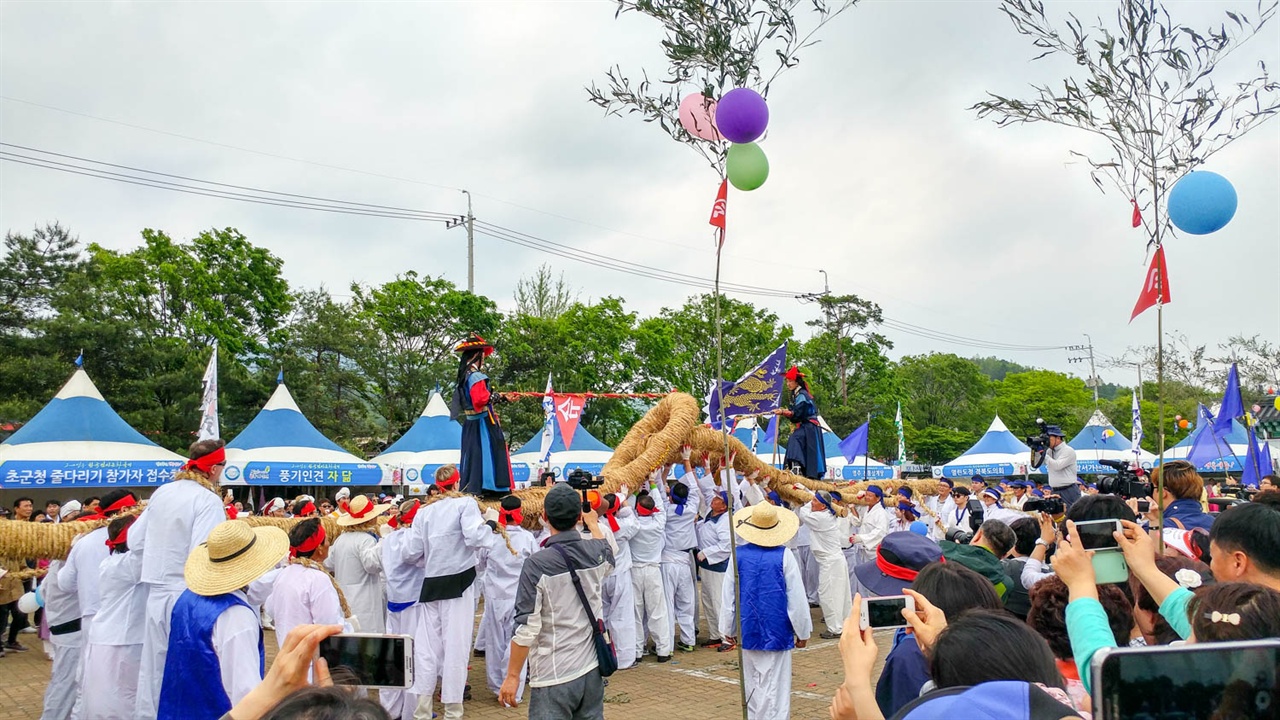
501,577
404,613
872,523
619,593
646,576
62,612
303,592
680,542
356,561
113,655
828,534
447,532
957,518
713,560
179,517
1019,495
1060,464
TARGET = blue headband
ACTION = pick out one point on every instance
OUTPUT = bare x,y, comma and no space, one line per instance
908,507
995,494
876,489
773,495
825,503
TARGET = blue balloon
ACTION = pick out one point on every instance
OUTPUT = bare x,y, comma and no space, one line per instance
1202,202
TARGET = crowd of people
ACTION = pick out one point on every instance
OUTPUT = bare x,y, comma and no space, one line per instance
159,613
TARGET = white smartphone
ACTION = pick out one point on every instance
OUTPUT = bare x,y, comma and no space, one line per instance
369,659
886,612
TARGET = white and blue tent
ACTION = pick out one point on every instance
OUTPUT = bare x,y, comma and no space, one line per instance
764,449
1230,451
997,454
281,447
433,440
1099,440
77,440
586,452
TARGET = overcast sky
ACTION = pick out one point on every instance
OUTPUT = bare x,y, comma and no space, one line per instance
879,174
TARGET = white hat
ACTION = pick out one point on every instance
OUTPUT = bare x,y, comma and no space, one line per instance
70,507
343,493
272,505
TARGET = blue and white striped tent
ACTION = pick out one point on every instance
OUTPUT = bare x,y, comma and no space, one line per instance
1099,440
433,440
586,452
77,440
281,447
997,454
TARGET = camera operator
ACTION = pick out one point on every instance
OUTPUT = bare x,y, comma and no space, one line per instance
1060,464
1180,500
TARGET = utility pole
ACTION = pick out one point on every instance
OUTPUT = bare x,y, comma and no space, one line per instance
470,221
1094,381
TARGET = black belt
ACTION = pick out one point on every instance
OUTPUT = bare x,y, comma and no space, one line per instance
447,587
65,628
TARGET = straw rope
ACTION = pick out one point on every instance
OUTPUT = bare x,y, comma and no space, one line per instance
652,443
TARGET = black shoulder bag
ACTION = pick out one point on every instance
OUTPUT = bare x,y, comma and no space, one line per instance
606,657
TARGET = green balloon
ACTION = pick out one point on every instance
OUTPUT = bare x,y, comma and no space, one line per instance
747,166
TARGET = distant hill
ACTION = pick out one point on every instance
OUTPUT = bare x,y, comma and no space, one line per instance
996,369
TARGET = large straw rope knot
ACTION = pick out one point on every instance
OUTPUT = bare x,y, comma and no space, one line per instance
651,444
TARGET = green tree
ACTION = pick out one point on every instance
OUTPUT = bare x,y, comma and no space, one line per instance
31,269
1057,398
412,324
945,390
678,347
936,445
845,318
996,368
543,296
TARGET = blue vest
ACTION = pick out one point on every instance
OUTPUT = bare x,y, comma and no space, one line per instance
192,686
765,623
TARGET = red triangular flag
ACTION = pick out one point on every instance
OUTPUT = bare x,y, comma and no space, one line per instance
568,415
1137,214
720,208
1156,288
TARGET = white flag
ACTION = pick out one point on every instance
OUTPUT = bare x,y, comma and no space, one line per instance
1135,447
209,399
902,443
548,425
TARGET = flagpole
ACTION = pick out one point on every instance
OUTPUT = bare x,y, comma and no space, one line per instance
866,452
1160,392
733,539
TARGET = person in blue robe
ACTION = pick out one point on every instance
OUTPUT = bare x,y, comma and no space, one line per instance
485,464
806,455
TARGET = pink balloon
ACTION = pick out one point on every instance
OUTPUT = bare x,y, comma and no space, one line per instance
1257,409
696,113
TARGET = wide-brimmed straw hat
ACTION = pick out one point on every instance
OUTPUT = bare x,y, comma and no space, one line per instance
234,556
765,525
361,510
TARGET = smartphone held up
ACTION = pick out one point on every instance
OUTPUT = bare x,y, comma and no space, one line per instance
369,660
886,612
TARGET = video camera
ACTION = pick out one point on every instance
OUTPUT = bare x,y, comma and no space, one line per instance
583,482
1128,482
1239,492
1052,506
1039,444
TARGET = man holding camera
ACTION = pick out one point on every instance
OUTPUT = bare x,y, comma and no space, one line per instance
1060,464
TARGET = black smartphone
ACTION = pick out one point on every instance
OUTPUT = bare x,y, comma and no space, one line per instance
1098,534
1201,680
1144,506
369,660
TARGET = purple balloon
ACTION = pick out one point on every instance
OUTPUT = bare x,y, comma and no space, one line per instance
742,115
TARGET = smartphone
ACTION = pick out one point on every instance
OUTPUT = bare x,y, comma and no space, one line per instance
1144,506
1201,680
1098,534
369,659
886,612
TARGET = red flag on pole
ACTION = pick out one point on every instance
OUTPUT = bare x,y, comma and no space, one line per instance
1137,214
720,208
568,415
1156,288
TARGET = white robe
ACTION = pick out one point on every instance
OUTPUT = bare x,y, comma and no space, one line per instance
113,659
871,526
235,641
680,536
501,577
767,674
651,614
618,594
828,534
302,596
404,585
62,606
178,518
357,565
799,545
713,543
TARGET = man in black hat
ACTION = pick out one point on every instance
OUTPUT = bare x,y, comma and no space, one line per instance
1060,464
564,680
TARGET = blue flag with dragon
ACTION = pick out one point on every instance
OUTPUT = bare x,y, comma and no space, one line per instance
758,391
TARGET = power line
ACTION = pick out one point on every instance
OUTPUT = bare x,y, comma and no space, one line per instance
88,167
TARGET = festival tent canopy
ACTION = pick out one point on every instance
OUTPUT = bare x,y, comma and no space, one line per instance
77,440
764,449
433,440
281,447
1099,440
586,452
997,454
1230,451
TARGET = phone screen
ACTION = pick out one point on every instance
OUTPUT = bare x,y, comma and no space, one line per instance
1144,506
372,660
886,612
1097,534
1218,680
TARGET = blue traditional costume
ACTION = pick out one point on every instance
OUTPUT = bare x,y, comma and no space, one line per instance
804,448
485,465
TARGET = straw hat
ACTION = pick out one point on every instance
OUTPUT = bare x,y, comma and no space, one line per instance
765,525
234,556
361,510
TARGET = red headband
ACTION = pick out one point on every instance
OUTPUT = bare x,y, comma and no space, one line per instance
511,517
127,501
610,510
449,481
310,544
120,539
205,463
406,516
897,571
306,509
643,511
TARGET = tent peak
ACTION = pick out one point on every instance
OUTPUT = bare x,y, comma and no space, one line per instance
281,400
79,386
435,406
1098,419
997,425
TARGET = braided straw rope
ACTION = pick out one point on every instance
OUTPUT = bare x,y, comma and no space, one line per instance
651,444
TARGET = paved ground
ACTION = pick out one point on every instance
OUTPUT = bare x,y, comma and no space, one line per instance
703,679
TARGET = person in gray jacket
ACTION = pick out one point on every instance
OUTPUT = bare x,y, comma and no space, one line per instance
552,631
